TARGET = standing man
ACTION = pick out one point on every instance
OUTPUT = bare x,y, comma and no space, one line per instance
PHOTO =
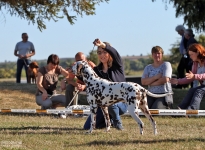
183,64
23,50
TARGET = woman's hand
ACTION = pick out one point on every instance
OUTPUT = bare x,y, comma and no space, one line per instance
174,81
63,85
81,87
158,76
98,43
189,75
44,95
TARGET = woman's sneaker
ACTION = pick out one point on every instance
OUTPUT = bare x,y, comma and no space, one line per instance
118,125
63,116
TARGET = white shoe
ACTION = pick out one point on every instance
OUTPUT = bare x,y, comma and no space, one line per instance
63,116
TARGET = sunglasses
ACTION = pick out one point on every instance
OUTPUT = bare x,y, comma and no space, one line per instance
101,52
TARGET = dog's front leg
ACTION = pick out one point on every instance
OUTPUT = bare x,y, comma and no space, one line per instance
107,118
93,119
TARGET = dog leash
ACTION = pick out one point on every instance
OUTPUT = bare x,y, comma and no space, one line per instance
25,63
73,97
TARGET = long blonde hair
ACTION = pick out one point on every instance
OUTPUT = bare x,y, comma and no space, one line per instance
110,60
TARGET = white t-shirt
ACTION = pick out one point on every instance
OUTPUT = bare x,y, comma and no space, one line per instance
166,70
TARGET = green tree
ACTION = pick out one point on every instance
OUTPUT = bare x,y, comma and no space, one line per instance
37,11
193,12
93,56
126,63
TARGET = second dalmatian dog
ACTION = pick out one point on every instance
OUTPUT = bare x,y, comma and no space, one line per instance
103,93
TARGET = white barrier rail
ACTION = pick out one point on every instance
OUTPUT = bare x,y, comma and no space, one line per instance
84,109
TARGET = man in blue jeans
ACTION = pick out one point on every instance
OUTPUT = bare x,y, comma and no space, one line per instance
23,50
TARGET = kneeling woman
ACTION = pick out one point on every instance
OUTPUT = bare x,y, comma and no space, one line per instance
194,96
47,80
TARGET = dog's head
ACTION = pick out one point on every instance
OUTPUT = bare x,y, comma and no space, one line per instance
33,64
77,67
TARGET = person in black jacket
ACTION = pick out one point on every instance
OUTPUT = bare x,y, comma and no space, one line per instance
189,35
110,68
181,68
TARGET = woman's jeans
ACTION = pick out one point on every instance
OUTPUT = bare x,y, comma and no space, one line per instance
50,101
193,98
114,110
20,64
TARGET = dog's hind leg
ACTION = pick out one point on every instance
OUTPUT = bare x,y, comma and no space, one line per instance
107,118
144,108
134,113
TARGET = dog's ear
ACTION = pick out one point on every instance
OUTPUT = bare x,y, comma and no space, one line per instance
80,66
36,66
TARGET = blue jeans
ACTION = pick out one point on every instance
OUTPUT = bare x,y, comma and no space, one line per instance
20,64
114,110
193,98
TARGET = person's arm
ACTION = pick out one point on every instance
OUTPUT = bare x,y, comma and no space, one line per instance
150,80
65,73
32,52
166,76
40,86
112,51
160,81
16,52
146,80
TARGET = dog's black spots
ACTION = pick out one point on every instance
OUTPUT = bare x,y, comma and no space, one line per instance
103,88
97,85
116,97
142,90
111,97
130,89
102,97
110,84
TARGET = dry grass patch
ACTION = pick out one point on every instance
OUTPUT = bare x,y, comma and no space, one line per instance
46,132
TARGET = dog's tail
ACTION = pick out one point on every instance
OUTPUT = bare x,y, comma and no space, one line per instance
157,95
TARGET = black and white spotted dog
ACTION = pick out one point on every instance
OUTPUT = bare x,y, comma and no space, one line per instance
103,93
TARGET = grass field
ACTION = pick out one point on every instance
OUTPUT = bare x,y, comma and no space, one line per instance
47,132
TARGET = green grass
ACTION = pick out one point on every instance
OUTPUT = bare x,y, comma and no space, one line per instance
46,132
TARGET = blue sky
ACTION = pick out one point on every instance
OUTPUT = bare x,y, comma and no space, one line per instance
133,27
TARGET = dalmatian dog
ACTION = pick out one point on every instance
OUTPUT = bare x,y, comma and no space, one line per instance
103,93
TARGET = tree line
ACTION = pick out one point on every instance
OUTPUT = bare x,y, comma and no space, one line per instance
132,64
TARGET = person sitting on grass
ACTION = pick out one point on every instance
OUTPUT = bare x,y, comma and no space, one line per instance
47,80
194,96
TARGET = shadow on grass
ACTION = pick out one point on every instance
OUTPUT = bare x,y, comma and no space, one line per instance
39,130
117,142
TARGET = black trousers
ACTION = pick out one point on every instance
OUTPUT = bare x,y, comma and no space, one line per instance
184,66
